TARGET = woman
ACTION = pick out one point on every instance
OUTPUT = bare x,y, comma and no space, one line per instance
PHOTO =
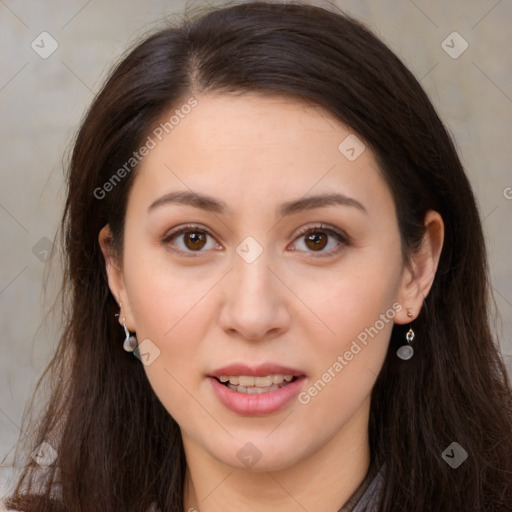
266,213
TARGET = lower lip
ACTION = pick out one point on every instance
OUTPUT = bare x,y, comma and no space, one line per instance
256,404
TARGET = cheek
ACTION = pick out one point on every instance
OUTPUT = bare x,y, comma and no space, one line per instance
167,310
348,356
351,298
171,306
357,307
162,294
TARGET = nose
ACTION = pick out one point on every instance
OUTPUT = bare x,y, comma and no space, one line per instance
255,301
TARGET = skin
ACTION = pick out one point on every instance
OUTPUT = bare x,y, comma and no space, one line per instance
291,305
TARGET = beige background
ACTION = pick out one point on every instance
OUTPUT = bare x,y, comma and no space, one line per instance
42,101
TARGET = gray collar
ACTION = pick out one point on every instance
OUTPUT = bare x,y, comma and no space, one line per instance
370,497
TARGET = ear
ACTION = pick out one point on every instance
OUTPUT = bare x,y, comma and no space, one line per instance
418,276
115,277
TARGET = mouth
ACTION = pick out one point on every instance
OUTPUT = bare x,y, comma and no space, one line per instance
250,379
251,385
256,391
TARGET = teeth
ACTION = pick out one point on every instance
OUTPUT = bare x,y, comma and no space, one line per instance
245,381
255,390
250,382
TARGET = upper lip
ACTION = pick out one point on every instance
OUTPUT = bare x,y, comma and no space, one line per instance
261,370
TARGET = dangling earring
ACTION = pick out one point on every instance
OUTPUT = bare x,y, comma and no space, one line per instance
130,342
406,351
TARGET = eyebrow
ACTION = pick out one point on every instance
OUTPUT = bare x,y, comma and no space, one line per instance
208,203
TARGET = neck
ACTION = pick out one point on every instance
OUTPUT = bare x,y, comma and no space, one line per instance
323,480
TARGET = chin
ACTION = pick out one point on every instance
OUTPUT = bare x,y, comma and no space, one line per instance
261,455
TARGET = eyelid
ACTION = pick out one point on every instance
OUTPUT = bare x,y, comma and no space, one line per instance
322,227
183,229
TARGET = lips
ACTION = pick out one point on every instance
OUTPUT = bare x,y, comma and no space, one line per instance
256,371
256,400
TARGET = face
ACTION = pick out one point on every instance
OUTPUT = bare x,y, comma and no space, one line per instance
292,298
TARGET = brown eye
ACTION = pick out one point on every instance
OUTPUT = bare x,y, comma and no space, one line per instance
194,240
317,238
189,240
316,241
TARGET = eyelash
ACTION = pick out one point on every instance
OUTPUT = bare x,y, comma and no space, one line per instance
342,237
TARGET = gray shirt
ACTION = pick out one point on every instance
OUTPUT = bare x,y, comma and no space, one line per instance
366,497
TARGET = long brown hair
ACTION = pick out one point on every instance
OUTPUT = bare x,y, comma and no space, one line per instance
118,448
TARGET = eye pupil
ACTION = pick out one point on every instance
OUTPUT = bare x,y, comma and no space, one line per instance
319,240
197,239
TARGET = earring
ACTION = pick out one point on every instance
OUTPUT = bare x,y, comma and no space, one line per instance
406,351
130,342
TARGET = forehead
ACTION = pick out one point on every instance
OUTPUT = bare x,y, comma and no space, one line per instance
251,145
